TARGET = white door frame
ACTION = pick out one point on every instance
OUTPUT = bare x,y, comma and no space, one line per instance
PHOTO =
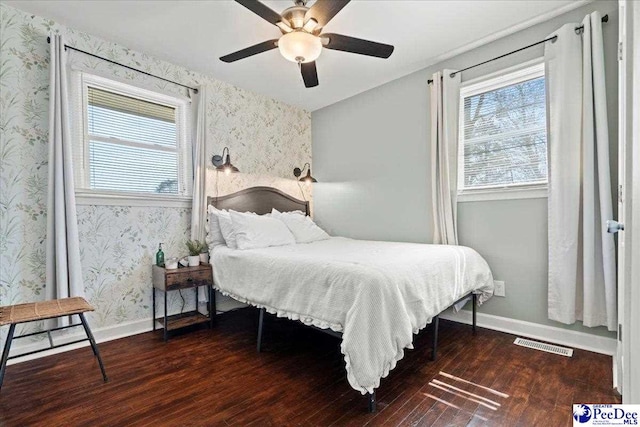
629,131
618,382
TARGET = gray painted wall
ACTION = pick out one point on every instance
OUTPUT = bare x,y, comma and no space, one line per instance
371,156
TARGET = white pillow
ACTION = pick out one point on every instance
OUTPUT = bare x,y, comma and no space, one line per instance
303,228
214,235
226,228
259,231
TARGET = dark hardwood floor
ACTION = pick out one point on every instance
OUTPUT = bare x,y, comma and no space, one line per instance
215,377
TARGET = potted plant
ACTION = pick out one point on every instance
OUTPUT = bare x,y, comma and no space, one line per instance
194,247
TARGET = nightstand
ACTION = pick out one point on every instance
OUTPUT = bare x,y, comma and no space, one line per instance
183,278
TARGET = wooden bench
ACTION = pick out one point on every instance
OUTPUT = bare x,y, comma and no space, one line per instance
23,313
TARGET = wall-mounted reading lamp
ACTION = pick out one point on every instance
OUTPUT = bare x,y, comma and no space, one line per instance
308,178
224,166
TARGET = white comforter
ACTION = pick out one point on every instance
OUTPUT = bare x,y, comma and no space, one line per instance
376,293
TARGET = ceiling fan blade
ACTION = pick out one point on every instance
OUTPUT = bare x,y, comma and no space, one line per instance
261,10
250,51
309,74
324,10
360,46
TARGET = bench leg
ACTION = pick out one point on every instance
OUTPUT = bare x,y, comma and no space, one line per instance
94,347
5,353
434,350
260,323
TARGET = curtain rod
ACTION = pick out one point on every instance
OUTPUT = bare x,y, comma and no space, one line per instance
66,46
605,18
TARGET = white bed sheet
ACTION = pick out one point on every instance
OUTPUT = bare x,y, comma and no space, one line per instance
378,294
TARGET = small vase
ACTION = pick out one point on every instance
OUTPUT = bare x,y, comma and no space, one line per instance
204,258
194,260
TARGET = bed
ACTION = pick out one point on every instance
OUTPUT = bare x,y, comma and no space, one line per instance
373,295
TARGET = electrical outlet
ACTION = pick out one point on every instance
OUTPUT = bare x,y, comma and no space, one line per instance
499,288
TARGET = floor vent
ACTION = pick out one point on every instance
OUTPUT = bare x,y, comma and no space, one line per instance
543,346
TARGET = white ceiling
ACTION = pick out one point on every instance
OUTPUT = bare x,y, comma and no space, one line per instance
195,34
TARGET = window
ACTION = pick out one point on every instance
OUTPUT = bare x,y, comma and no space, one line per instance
134,142
503,135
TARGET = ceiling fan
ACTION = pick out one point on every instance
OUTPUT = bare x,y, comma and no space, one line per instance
302,39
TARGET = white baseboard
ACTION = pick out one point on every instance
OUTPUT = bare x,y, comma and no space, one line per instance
565,337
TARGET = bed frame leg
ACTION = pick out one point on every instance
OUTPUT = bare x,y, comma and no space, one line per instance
434,351
474,302
371,402
260,324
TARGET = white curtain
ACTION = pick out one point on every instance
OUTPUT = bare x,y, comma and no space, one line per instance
199,155
582,271
445,99
199,149
63,271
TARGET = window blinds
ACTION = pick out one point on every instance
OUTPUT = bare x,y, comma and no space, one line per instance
504,136
132,144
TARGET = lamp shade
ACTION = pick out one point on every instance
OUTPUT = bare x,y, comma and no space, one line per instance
308,178
226,166
297,172
300,46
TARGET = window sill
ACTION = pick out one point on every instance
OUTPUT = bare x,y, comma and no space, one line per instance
503,194
117,199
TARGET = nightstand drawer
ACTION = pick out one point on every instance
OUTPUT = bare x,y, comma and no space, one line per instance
182,279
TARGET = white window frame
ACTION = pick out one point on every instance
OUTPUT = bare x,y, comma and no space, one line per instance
87,196
509,76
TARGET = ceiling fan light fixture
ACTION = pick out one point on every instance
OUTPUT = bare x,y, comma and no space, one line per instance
310,25
297,21
302,38
284,27
300,46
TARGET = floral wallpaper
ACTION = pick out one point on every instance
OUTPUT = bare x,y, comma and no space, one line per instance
267,140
